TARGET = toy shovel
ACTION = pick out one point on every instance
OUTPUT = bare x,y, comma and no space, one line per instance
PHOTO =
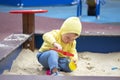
63,52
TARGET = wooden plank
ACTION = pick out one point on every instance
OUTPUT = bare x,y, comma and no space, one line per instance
38,77
10,43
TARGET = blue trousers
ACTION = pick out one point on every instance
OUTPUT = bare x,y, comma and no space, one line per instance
50,59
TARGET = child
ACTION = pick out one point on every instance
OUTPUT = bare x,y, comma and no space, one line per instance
63,39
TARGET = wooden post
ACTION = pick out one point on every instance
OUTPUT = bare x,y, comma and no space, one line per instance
29,28
28,19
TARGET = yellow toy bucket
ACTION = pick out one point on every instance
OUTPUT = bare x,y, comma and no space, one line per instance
72,66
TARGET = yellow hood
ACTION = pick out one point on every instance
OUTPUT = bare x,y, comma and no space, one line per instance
71,25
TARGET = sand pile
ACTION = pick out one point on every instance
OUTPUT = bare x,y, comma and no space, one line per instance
90,64
25,64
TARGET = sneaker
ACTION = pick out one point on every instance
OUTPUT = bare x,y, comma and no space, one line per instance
56,74
48,72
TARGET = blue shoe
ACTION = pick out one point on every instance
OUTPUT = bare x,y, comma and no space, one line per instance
56,74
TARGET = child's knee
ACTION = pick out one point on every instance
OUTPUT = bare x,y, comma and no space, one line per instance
53,53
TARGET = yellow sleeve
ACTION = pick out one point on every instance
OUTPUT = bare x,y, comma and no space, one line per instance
74,51
50,37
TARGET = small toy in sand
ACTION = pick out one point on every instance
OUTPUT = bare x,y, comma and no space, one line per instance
114,68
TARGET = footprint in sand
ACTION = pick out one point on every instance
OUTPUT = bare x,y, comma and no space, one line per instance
118,59
85,57
89,67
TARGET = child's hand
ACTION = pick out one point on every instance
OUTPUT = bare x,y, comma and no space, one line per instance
74,60
57,45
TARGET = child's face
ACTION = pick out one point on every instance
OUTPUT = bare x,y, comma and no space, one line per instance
69,37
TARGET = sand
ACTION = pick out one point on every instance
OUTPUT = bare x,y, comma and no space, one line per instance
89,64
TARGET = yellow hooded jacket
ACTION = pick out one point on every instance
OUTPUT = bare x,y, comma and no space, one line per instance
71,25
